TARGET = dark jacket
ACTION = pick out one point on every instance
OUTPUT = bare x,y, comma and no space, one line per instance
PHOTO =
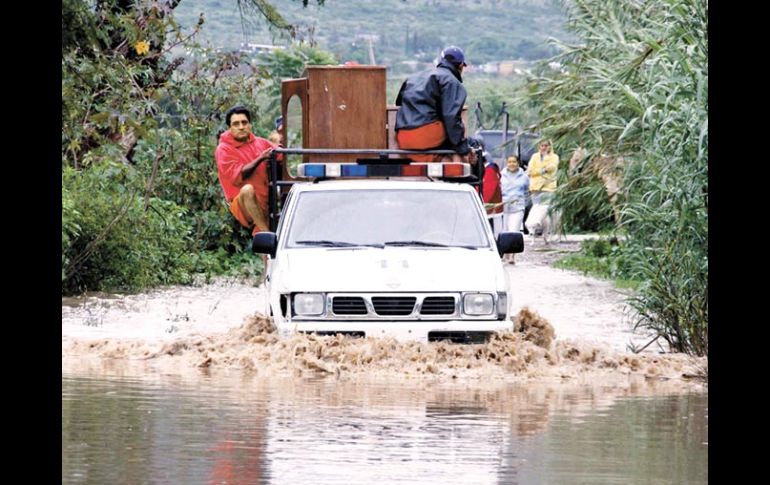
435,94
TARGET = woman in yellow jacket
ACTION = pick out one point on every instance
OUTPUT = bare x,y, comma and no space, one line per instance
542,183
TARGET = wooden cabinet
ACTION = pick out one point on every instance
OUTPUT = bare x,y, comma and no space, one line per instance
342,107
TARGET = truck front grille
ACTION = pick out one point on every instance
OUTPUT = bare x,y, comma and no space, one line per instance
394,305
349,305
438,305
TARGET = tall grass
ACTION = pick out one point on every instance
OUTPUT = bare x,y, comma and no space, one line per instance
636,90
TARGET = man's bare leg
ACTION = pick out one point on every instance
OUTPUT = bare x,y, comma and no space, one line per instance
248,201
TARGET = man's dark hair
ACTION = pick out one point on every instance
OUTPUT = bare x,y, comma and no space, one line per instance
241,110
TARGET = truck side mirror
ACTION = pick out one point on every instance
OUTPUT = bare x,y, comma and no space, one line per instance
510,242
265,243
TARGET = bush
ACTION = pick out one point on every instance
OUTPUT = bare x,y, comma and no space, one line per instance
602,258
584,203
598,248
69,227
112,242
187,175
673,301
238,265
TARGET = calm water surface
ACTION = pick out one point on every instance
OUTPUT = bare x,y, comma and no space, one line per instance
232,428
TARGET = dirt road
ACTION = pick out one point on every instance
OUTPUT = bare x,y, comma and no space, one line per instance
579,307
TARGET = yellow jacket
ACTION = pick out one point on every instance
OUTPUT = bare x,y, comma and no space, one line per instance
542,173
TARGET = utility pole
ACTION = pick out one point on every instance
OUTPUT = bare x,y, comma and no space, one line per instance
370,39
371,51
504,110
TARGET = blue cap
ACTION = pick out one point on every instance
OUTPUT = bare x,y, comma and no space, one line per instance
454,55
278,122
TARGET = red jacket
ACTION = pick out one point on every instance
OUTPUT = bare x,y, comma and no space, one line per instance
492,192
231,155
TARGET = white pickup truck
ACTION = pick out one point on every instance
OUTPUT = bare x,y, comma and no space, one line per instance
413,259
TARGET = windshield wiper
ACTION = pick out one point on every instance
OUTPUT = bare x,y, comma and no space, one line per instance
336,244
415,243
428,244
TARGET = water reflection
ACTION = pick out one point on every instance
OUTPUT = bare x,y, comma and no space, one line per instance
134,426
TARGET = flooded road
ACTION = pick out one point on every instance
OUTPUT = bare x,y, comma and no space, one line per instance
579,307
127,423
191,385
577,327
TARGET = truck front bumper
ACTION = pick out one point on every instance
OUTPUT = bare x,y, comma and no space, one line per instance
470,331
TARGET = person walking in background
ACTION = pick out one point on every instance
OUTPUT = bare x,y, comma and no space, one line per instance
430,105
542,183
515,191
242,173
492,193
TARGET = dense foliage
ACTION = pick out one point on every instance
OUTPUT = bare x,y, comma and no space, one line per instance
635,98
141,203
113,241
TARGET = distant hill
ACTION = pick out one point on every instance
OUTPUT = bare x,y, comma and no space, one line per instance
399,30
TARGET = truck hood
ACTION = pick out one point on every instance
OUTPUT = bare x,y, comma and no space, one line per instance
388,270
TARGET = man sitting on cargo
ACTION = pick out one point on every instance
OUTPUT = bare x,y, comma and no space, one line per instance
430,110
242,173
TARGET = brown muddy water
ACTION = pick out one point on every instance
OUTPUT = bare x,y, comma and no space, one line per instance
189,385
127,422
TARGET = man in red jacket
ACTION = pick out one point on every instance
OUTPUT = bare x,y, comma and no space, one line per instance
242,172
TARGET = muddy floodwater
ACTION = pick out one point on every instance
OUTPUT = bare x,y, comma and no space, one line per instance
191,385
130,424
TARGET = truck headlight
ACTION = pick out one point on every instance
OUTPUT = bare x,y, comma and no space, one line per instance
308,303
478,304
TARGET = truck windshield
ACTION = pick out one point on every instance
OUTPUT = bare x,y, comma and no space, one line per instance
419,218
